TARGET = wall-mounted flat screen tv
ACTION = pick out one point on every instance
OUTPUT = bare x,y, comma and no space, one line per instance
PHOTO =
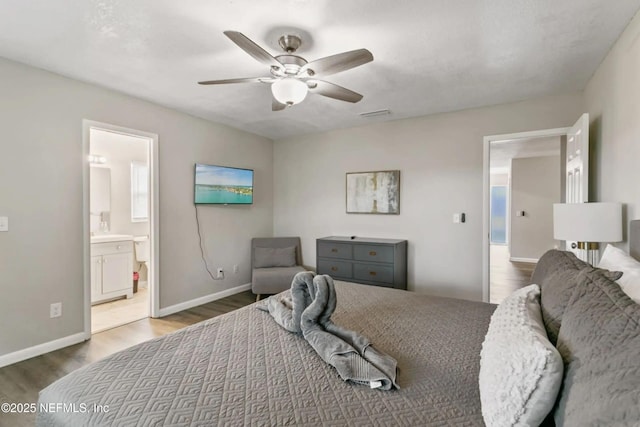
221,185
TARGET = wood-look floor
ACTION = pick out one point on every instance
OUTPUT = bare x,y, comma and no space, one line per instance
22,381
506,276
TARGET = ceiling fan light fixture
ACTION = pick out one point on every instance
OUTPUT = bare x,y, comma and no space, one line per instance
289,91
292,76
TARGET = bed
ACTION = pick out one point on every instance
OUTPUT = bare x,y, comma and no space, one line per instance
243,369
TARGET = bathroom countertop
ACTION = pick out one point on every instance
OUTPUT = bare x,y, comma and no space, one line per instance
104,238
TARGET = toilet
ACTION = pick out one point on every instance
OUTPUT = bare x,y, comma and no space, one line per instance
142,251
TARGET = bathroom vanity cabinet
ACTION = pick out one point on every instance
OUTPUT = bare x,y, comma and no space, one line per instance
111,270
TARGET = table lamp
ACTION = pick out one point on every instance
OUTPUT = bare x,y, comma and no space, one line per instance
587,224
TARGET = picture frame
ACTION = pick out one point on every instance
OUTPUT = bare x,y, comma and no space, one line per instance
373,192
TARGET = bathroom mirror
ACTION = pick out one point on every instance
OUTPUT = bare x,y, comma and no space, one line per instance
99,194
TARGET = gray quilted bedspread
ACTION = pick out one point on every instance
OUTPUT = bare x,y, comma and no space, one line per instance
244,369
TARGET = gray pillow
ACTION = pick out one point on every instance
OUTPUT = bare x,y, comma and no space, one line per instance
553,261
274,257
599,343
557,275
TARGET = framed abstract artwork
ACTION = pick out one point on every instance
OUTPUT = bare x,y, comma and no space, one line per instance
376,192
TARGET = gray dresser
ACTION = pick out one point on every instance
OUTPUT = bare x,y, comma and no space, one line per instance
379,262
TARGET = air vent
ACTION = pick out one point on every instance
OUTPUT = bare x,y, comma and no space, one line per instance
375,113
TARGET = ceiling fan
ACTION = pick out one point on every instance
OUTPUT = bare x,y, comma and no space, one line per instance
292,76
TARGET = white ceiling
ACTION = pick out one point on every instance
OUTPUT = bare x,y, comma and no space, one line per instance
501,152
430,55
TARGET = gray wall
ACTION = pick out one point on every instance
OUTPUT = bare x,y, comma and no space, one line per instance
535,187
41,257
612,99
440,159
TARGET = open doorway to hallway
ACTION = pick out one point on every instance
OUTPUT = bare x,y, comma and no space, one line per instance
524,217
525,181
119,220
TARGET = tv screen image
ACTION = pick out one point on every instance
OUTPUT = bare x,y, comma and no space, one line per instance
223,185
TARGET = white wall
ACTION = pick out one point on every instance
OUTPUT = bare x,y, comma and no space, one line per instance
41,163
440,159
535,187
612,99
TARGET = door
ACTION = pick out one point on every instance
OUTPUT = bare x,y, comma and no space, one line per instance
577,167
89,130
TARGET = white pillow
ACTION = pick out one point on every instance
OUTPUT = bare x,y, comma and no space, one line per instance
520,370
615,259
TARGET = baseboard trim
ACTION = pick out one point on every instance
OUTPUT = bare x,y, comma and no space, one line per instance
528,260
40,349
202,300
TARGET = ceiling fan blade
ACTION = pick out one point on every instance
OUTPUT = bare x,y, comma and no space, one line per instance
246,44
275,105
336,63
241,80
333,91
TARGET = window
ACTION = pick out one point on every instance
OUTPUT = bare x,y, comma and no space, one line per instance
139,192
498,210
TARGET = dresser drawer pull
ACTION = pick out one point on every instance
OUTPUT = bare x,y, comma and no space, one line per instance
373,253
373,273
334,250
334,268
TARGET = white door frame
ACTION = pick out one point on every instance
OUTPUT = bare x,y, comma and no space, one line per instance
486,222
154,217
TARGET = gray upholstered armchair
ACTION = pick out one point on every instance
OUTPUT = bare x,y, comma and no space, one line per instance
274,262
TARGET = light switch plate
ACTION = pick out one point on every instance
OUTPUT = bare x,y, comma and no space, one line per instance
4,223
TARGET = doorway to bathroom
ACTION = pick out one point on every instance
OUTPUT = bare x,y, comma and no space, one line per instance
120,224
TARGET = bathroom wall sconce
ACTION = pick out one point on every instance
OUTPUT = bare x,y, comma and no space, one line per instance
96,159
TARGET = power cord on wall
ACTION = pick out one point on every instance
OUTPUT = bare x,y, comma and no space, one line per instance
204,260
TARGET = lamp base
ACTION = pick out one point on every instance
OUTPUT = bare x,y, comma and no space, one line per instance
589,252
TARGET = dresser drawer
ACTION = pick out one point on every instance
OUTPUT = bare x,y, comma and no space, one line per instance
335,268
372,261
373,273
111,248
373,253
335,250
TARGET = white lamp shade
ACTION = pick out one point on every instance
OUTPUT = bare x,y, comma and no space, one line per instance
587,222
289,91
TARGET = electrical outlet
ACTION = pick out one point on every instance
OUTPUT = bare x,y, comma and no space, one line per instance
55,310
236,269
456,218
220,273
